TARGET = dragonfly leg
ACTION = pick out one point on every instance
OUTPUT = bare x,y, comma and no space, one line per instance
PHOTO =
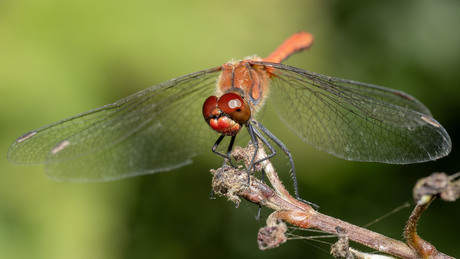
267,144
255,142
285,150
229,150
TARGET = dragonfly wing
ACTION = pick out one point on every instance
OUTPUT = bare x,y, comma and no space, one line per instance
357,121
157,129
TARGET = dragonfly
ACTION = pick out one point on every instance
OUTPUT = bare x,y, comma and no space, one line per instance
161,128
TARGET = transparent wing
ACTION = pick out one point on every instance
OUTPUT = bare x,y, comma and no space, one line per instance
356,121
157,129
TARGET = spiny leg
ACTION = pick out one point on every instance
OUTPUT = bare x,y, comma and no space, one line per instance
225,156
273,153
255,142
285,150
267,144
214,148
229,149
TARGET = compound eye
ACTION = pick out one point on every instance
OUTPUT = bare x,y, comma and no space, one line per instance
208,106
235,106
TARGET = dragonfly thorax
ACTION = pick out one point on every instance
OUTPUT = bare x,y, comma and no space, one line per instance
246,78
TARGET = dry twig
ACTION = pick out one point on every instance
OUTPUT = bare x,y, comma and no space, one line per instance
233,183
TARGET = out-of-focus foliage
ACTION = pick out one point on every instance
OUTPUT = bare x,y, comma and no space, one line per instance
60,58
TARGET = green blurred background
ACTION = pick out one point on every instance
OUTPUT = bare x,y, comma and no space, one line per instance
61,58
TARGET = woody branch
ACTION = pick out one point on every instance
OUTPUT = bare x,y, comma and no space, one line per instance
233,183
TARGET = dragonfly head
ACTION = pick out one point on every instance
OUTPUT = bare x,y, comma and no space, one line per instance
226,114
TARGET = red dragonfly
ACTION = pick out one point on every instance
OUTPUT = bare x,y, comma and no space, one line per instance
160,128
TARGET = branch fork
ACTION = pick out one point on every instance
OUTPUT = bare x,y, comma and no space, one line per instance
234,184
